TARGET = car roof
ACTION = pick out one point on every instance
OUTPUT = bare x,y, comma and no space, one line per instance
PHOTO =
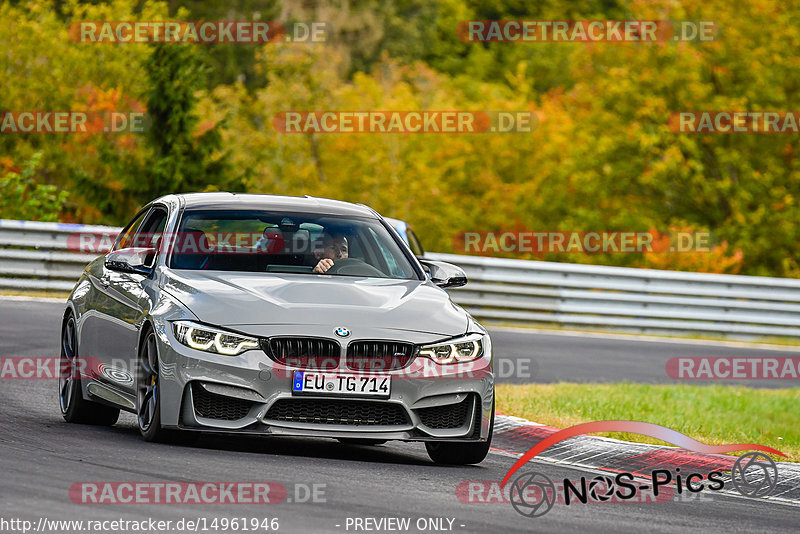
242,201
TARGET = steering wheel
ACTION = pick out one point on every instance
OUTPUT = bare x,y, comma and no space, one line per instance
354,267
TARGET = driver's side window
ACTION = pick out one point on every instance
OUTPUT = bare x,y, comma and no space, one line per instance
149,233
145,231
126,237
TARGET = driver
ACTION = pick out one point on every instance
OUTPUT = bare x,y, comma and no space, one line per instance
334,247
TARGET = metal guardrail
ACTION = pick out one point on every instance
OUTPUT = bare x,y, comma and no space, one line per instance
619,298
36,255
41,256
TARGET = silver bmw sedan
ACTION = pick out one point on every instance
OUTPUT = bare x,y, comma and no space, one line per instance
276,315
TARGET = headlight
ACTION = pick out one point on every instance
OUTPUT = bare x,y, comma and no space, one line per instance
459,350
209,339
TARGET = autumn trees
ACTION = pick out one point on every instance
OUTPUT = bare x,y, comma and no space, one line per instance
602,157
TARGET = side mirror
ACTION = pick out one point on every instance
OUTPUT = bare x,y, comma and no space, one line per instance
131,260
444,274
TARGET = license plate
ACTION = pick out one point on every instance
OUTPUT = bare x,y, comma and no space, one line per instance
341,384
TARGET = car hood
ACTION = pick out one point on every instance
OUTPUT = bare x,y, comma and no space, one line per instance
250,300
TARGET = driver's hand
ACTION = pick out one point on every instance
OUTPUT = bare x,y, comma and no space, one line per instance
323,265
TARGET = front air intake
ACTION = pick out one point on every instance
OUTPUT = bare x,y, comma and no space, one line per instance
338,412
213,406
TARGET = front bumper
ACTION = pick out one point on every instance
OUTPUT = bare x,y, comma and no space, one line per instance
252,394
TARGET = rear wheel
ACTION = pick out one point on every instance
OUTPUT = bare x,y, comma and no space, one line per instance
460,453
74,408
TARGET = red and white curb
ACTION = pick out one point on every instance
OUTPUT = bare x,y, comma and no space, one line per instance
513,436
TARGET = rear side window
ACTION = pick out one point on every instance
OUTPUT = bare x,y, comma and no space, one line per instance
413,243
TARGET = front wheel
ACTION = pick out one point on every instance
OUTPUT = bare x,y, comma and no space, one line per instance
148,396
460,453
148,393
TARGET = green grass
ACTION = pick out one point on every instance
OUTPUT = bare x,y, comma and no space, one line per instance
710,414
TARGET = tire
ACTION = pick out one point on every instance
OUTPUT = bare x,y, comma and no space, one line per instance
460,453
361,441
148,396
148,391
74,408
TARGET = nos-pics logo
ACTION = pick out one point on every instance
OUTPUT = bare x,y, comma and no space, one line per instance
533,494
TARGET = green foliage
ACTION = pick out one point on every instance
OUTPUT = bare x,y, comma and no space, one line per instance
231,62
602,157
182,159
22,198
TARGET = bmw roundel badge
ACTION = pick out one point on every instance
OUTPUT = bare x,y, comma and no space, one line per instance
342,332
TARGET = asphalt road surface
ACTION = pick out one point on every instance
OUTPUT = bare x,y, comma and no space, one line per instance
522,356
42,457
576,357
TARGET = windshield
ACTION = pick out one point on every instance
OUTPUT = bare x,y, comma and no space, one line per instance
281,242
